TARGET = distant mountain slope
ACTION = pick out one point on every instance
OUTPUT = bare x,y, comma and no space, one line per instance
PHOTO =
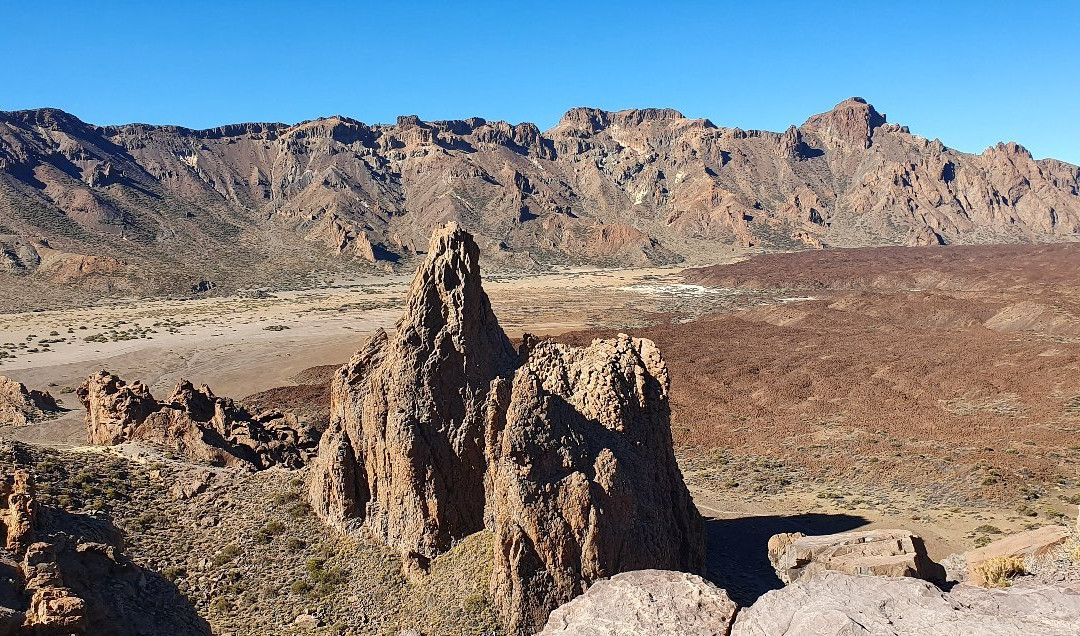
158,208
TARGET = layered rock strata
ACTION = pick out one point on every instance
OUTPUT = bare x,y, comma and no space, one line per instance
193,422
795,556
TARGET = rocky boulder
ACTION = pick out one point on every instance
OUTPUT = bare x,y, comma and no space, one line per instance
20,406
655,602
796,556
584,482
1021,547
194,423
833,603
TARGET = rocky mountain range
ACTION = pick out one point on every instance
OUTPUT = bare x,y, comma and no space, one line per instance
169,209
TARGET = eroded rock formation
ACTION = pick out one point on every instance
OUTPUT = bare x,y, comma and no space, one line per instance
20,406
405,449
795,556
584,482
193,422
442,429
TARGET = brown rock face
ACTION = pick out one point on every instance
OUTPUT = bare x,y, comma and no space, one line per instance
654,602
442,430
404,453
871,552
193,422
20,406
584,481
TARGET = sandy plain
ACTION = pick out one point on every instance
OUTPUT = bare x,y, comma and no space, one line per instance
772,431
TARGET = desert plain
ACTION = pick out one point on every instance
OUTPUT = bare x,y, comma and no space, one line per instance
931,389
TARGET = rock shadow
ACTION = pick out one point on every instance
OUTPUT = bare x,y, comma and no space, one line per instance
737,556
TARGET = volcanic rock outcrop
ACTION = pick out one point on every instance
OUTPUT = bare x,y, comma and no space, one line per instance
20,406
442,429
405,449
193,422
584,482
66,574
795,556
654,602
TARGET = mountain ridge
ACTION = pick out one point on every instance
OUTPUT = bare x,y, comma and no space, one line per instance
145,208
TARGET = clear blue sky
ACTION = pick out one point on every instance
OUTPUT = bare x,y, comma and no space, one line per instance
969,73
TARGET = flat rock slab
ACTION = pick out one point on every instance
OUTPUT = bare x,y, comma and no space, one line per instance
875,552
1031,544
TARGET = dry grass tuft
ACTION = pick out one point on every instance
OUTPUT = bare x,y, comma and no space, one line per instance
998,571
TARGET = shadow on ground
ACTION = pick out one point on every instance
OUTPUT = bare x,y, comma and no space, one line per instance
737,555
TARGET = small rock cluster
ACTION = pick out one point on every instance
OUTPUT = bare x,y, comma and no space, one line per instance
194,423
443,429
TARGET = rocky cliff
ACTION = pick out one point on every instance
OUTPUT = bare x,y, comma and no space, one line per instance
442,430
109,206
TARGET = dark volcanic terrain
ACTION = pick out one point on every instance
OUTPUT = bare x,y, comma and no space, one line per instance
87,211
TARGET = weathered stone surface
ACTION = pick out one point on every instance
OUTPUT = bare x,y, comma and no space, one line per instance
193,422
875,552
654,602
19,512
584,482
836,604
443,429
404,453
20,406
1030,544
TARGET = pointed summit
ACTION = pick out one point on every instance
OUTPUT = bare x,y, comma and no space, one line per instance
404,454
849,125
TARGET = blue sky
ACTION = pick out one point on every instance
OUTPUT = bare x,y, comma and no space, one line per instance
969,73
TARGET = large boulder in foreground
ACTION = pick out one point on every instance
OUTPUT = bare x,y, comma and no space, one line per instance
20,406
835,604
654,602
443,429
584,482
404,453
193,422
795,556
